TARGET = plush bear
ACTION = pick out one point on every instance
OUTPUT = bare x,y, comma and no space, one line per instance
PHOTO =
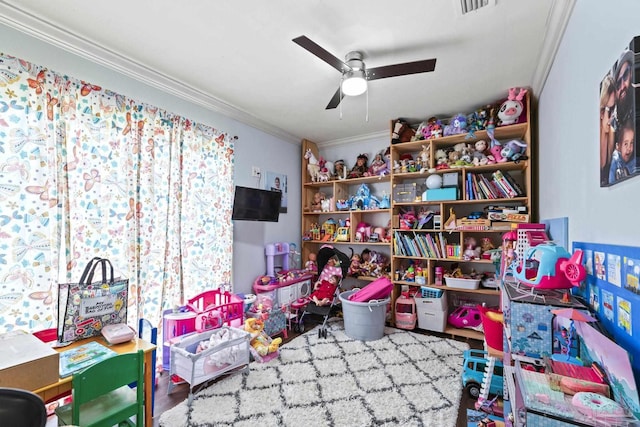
260,341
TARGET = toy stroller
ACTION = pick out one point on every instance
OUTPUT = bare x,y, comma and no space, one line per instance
339,266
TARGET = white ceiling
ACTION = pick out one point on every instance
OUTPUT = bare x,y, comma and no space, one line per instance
237,57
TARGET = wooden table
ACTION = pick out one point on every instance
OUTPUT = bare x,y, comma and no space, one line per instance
63,386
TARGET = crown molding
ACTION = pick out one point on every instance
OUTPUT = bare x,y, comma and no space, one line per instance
33,26
557,22
354,139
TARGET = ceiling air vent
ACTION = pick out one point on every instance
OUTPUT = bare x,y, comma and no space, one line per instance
471,5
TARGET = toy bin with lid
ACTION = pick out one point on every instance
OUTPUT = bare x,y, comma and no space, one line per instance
363,321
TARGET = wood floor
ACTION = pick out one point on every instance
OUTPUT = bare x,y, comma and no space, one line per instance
165,401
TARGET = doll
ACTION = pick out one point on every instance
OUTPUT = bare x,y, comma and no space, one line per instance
360,167
354,267
378,166
340,169
471,248
311,265
316,205
324,290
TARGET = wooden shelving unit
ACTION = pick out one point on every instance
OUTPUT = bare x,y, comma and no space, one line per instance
461,207
341,189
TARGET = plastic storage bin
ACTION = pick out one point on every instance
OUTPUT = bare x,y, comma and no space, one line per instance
363,321
462,283
432,309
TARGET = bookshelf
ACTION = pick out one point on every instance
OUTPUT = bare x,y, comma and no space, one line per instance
476,203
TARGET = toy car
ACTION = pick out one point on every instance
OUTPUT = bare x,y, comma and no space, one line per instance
475,364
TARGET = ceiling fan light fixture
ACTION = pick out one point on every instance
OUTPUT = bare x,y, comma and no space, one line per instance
354,83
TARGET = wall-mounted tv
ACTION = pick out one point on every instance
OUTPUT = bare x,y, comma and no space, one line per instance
253,204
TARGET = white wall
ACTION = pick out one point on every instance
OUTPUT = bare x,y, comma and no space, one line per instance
568,137
253,147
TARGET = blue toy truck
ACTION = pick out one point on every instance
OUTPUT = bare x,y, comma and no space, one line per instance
475,363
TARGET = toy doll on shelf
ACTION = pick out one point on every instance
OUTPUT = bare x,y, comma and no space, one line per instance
360,168
316,204
340,169
471,248
378,166
354,267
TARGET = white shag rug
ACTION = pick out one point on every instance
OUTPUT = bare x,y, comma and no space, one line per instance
403,379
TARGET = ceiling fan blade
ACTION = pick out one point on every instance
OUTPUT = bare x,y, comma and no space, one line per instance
401,69
321,53
335,100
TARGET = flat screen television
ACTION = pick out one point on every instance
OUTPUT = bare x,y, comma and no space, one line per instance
253,204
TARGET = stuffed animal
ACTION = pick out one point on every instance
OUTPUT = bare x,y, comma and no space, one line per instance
442,159
480,156
513,150
422,128
511,109
433,129
260,341
458,124
423,158
402,132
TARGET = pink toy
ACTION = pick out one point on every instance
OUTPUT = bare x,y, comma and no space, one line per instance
597,407
512,108
465,317
363,232
496,150
548,266
378,289
406,315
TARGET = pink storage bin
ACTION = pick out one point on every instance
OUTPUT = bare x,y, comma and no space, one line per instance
378,289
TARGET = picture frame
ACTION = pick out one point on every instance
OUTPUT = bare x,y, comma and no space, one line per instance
278,182
619,120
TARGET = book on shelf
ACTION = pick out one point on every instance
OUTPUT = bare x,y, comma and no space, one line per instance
508,182
432,246
422,244
504,186
476,190
513,183
443,244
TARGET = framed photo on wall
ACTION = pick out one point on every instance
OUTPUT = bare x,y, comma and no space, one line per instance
278,182
619,118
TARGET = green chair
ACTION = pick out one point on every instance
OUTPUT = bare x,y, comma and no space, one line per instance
101,396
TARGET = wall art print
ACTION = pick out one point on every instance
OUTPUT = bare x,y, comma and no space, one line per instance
619,121
278,182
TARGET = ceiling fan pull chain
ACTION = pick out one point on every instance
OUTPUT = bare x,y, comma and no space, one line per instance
340,105
367,115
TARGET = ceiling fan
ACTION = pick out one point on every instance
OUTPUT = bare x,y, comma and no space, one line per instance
354,72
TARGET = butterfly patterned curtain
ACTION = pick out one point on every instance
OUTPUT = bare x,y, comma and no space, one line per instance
87,172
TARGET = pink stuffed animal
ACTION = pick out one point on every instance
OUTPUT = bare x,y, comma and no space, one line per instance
512,108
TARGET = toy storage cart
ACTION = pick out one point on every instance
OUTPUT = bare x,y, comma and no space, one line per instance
197,368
